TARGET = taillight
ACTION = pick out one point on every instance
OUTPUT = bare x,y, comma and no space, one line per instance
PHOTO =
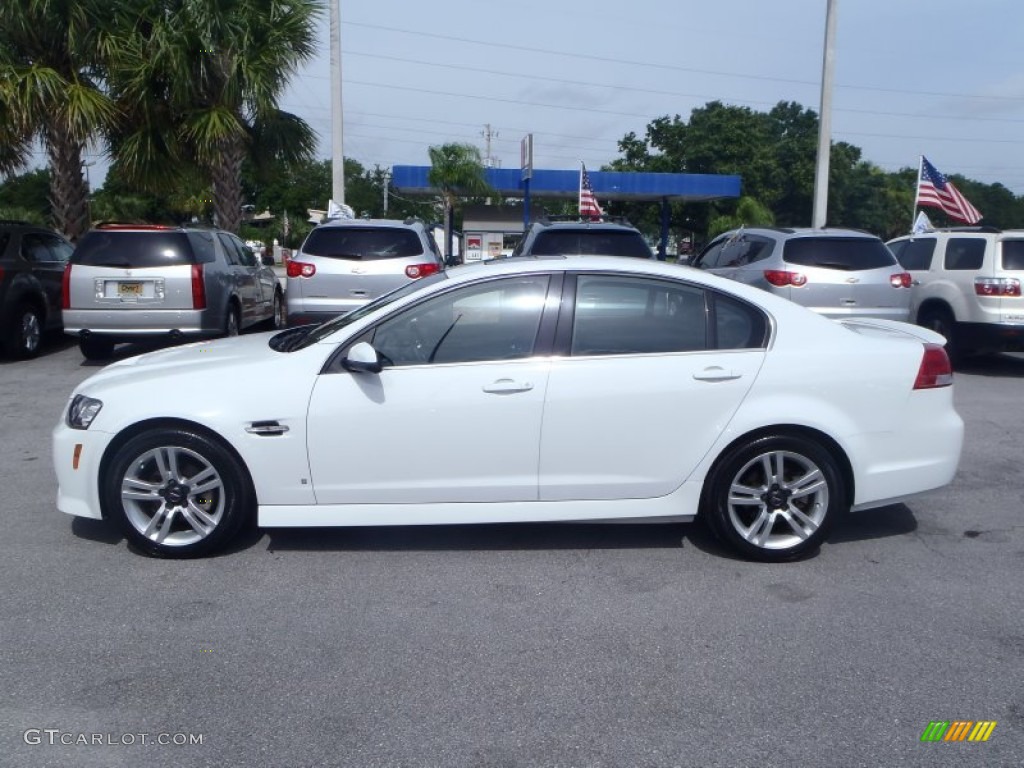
780,278
300,269
997,286
65,288
900,280
198,287
414,271
935,370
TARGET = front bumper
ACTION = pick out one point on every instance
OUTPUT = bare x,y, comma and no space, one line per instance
76,459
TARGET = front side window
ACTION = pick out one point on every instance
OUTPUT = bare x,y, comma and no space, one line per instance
495,320
617,315
965,253
916,255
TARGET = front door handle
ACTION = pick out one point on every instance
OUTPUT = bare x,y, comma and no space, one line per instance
716,374
507,387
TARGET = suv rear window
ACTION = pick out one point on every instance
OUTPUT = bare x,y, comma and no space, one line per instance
846,254
133,249
363,243
602,242
1013,254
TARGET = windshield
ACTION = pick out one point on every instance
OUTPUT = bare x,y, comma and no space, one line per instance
317,333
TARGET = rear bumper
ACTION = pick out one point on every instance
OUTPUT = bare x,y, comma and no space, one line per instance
126,325
994,337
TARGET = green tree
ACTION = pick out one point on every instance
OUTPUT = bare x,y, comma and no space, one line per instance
52,65
199,82
455,170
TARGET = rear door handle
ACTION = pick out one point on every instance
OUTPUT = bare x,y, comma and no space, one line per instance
507,387
716,374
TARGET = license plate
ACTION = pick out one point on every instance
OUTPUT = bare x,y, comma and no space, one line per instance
129,289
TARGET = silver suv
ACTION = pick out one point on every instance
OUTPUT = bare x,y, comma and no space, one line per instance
554,237
346,263
967,286
835,272
133,282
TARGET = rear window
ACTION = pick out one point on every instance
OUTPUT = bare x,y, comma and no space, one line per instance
133,249
1013,254
845,254
363,243
584,242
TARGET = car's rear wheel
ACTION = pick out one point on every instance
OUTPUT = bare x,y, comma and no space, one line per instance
232,323
280,317
25,333
775,498
93,348
941,321
176,493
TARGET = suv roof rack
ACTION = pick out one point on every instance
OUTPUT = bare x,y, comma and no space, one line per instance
969,229
576,218
124,225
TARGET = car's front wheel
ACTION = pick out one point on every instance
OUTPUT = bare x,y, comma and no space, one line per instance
176,493
25,334
232,323
776,497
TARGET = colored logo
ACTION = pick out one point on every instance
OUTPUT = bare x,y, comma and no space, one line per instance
958,730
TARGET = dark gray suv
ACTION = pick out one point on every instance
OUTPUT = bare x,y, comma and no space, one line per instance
555,237
134,282
32,263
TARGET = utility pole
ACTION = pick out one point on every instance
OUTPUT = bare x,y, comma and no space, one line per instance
337,145
819,215
489,160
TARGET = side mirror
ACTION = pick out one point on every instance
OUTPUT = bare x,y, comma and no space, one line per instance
362,358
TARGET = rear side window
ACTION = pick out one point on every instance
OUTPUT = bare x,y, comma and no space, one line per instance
583,242
916,254
133,249
964,253
847,254
738,325
1013,254
363,243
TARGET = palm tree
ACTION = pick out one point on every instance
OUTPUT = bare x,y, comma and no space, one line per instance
455,169
199,83
51,94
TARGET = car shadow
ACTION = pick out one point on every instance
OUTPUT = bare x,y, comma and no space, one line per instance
1001,366
53,342
124,351
878,523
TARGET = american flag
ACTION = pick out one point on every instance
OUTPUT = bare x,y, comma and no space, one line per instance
935,190
589,209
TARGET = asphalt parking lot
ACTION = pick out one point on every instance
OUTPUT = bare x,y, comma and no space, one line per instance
556,645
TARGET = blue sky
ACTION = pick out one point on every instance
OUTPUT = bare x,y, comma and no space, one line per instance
939,78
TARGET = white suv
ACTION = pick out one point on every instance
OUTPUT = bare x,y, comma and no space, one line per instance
966,284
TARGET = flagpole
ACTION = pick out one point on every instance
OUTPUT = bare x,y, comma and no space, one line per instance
917,191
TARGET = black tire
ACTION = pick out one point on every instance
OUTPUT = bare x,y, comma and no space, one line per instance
784,514
232,321
941,321
171,513
24,335
279,319
94,348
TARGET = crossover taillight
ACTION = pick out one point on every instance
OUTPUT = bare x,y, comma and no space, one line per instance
997,286
935,370
900,280
65,288
300,269
780,278
198,287
415,271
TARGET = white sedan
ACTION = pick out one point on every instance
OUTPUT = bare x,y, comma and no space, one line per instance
583,389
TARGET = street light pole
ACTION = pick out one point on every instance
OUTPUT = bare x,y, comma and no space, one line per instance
819,215
337,146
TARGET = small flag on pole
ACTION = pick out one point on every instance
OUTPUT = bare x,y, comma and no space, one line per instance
589,209
935,190
922,224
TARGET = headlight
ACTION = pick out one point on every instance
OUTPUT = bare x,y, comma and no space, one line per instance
82,411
